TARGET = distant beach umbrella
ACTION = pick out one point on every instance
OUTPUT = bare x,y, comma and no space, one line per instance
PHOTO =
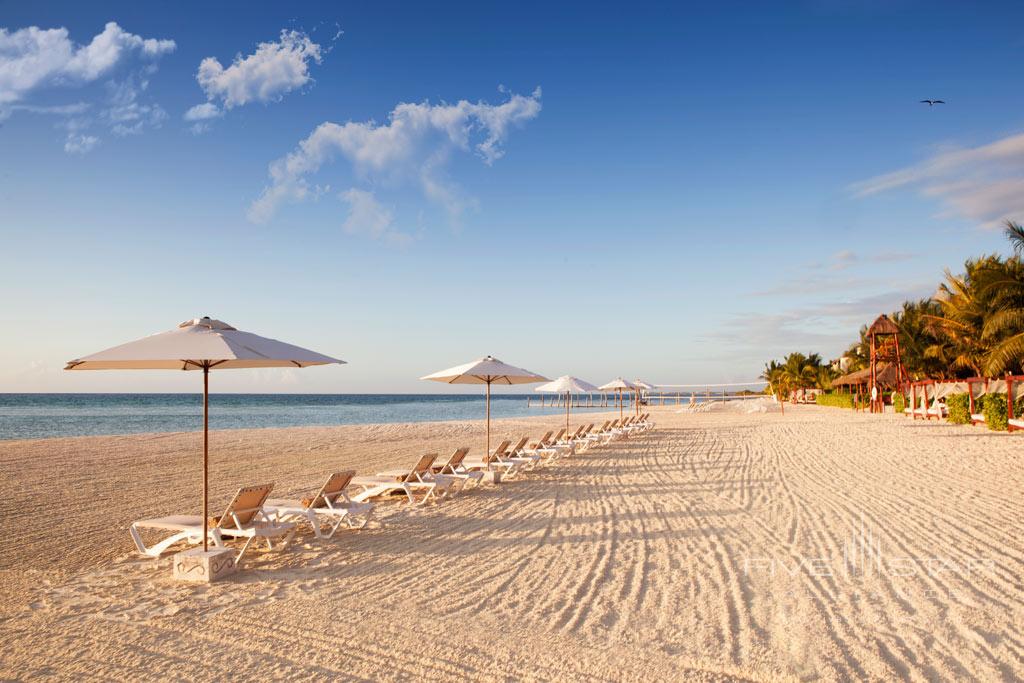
642,386
487,370
568,385
618,384
202,344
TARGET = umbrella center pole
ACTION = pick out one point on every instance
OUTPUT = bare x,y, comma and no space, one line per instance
487,452
206,453
568,399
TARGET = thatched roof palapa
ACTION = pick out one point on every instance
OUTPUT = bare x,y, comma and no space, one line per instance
883,325
887,377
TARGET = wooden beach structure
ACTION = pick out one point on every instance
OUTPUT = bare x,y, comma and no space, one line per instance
886,376
885,353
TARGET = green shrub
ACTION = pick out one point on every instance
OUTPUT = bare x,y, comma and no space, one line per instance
959,406
835,400
995,412
899,403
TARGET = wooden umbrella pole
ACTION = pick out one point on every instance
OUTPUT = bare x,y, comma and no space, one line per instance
206,453
487,453
567,399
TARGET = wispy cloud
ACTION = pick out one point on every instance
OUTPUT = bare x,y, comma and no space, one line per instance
413,147
824,326
367,216
76,143
34,59
984,184
267,75
847,258
844,271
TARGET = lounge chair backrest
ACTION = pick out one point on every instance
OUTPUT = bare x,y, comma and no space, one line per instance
246,504
544,439
501,450
422,466
519,446
578,433
455,461
332,490
559,435
604,427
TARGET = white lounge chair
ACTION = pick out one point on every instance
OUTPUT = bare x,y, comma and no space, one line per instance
571,441
602,435
243,518
455,469
520,453
494,462
331,504
418,479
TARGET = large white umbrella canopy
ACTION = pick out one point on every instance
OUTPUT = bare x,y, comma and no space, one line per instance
487,370
618,384
202,344
568,385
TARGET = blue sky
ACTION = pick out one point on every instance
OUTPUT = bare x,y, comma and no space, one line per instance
677,194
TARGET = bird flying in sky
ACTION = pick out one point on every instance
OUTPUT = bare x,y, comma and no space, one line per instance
932,102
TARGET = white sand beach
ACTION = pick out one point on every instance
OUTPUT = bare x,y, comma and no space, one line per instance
816,545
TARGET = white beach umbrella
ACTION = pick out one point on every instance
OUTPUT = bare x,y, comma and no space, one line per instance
487,370
642,386
202,344
618,384
568,385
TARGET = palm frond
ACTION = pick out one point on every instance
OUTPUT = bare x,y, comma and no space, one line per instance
1015,234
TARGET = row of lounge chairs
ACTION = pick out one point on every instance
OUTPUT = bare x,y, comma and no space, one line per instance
345,500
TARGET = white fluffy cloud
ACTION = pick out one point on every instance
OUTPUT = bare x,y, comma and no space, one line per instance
203,112
367,216
414,146
32,57
266,75
201,115
984,184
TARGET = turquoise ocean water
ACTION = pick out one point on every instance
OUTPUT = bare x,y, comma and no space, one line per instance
37,416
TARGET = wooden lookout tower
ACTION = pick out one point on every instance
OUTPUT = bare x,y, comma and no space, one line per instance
885,348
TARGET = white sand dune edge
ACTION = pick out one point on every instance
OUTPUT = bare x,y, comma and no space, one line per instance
819,544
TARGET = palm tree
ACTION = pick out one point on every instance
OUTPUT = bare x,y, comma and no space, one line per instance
1003,283
965,305
823,377
778,381
800,370
917,336
1015,233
